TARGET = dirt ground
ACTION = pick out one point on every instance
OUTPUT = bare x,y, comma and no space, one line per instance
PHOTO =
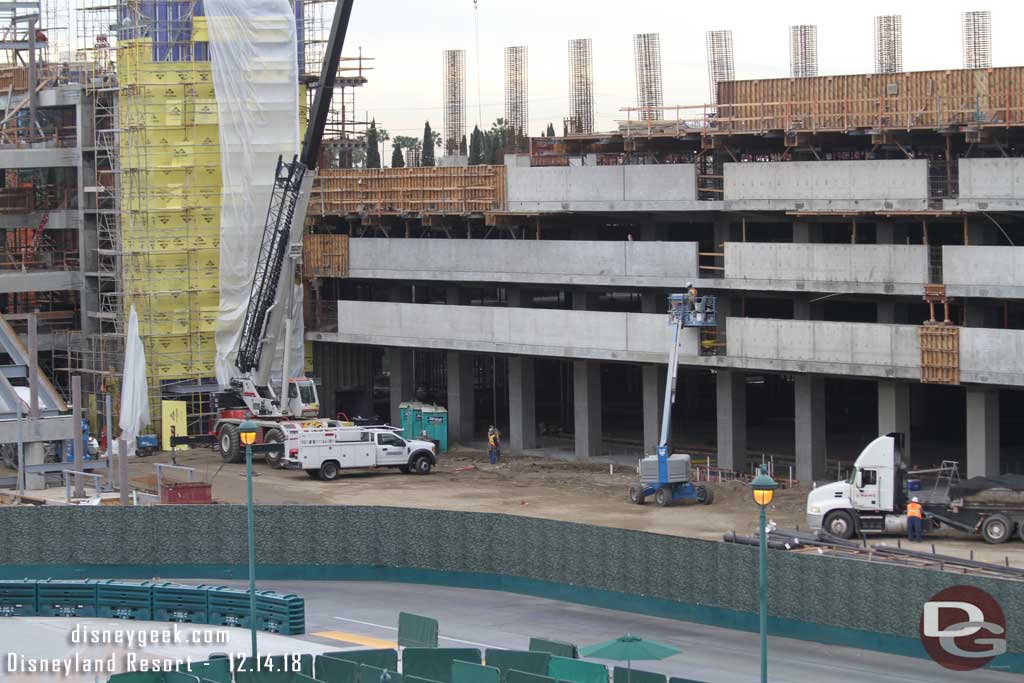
534,487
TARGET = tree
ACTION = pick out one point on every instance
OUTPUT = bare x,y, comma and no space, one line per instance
430,140
476,143
372,150
551,130
462,146
397,160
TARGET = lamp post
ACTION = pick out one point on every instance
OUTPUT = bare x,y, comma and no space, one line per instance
247,435
763,488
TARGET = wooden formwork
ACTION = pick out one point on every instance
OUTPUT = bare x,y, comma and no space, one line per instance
325,256
940,354
919,99
449,190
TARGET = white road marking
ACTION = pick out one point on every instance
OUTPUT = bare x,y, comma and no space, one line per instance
440,637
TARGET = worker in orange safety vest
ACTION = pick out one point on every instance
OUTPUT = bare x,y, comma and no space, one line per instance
915,520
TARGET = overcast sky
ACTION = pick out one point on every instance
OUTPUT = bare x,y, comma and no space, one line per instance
407,37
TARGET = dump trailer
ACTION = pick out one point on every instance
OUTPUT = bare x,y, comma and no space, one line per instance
873,499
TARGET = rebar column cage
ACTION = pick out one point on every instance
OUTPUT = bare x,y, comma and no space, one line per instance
581,86
647,59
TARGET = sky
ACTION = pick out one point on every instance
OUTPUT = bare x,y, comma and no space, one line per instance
406,38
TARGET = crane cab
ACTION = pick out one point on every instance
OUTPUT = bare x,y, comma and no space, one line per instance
302,399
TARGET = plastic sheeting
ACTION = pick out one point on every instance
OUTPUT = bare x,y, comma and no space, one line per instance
255,77
134,391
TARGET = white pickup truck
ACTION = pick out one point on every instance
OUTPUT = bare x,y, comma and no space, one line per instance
324,451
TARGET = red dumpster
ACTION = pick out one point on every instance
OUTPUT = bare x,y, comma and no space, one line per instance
186,493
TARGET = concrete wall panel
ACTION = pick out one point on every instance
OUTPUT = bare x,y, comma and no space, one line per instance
992,356
992,178
526,261
827,180
602,188
660,183
833,263
997,266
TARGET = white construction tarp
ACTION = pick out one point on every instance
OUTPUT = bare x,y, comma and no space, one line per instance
255,77
134,392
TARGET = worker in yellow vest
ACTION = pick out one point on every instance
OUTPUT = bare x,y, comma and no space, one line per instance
915,520
494,444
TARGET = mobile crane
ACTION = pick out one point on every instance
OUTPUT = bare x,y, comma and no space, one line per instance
249,394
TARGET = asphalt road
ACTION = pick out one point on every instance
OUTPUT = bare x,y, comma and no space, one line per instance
347,614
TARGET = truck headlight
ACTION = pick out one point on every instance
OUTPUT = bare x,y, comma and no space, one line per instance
815,511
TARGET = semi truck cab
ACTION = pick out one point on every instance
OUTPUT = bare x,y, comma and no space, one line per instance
870,499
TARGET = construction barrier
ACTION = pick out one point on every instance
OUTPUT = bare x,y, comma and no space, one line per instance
18,599
381,659
436,664
554,647
335,670
526,677
373,674
466,672
622,674
146,601
216,670
153,677
577,671
416,631
711,582
519,660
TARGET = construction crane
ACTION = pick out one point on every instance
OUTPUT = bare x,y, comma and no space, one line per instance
249,394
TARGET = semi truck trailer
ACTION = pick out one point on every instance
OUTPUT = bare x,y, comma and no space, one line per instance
873,499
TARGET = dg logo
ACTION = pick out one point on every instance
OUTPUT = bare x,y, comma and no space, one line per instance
963,628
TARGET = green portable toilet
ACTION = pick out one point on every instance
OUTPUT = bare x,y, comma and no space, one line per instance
410,416
435,422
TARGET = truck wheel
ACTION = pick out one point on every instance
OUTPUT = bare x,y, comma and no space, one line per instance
663,496
1020,530
273,435
840,525
312,474
328,471
705,496
636,494
228,440
422,465
404,469
996,529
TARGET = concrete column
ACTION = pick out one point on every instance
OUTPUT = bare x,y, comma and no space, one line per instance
517,298
403,380
803,309
982,432
731,407
885,233
522,401
35,454
974,313
653,378
461,397
894,412
586,396
649,231
809,427
723,233
801,232
887,312
583,299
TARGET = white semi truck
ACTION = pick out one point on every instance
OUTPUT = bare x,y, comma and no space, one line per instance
324,451
873,500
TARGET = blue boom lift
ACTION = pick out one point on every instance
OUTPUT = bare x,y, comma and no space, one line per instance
666,477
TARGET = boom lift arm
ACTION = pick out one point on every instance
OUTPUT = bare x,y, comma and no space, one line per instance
270,302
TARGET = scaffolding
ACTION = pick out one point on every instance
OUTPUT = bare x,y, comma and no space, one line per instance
517,115
803,50
721,66
889,44
647,58
581,87
454,102
977,40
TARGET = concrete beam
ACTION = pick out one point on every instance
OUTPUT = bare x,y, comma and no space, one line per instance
59,220
43,157
809,427
17,282
587,408
731,409
522,402
983,450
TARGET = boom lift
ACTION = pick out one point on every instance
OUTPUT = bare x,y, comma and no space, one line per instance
249,394
666,477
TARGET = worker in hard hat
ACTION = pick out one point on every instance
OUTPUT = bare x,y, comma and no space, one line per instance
915,520
493,444
693,303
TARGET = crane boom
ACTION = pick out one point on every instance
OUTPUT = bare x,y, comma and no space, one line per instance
270,300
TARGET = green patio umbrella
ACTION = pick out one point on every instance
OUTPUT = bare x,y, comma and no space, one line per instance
629,648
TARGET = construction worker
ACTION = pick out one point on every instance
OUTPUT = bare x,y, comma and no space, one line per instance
915,520
694,305
493,444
